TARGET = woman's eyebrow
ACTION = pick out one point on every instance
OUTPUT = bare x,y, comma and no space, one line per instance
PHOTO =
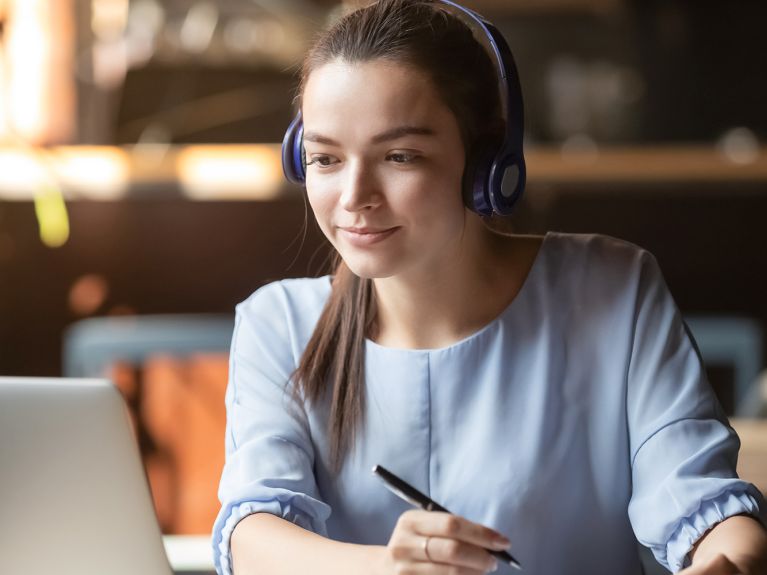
401,131
393,134
320,139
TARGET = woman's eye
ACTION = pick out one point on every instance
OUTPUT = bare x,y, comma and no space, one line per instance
322,161
401,157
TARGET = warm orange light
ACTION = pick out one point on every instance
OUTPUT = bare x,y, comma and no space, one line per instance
230,172
98,173
87,172
21,174
39,75
88,294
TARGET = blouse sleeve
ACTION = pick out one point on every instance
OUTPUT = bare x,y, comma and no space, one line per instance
683,451
269,453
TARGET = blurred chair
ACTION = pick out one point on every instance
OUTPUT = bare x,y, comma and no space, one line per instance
736,343
92,345
172,371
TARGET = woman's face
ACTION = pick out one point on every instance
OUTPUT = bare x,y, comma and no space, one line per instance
385,160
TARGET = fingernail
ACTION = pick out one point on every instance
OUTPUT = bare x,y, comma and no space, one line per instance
501,543
494,566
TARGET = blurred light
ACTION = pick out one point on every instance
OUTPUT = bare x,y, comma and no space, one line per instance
109,18
107,173
110,63
198,27
230,172
88,294
245,35
146,14
52,217
29,51
4,127
156,133
39,55
20,174
146,19
739,146
272,36
241,35
100,173
95,172
150,164
139,49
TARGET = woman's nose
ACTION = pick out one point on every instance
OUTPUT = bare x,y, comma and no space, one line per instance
360,190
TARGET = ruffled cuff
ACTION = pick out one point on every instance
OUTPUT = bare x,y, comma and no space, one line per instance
693,527
293,508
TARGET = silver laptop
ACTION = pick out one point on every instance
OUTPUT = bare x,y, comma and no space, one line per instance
74,499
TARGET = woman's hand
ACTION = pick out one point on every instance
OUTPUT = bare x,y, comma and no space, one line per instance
718,565
436,543
736,545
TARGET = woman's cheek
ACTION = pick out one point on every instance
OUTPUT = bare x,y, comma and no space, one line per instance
322,203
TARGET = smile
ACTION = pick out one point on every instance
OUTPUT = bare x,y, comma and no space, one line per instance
365,237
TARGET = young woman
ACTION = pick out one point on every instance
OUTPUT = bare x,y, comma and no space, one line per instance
541,388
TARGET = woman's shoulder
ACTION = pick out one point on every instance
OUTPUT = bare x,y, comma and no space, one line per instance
292,288
593,244
297,302
594,268
579,252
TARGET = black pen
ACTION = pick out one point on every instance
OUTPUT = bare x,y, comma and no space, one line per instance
417,499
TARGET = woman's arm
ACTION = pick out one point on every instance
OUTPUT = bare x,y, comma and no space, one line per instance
426,542
740,539
265,544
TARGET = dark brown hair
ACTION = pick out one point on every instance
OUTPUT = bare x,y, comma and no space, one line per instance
421,34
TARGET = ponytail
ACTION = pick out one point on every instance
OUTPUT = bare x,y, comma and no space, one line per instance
334,359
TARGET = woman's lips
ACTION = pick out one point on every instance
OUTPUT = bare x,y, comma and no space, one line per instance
364,237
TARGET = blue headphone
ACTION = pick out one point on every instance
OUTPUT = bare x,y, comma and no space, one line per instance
495,174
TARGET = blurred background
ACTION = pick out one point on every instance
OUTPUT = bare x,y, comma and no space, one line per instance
141,192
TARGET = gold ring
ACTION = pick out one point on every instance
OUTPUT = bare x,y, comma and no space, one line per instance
426,548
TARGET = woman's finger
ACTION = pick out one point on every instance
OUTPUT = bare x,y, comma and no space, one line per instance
451,526
458,553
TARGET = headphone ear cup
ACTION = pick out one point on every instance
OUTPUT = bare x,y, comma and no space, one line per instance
475,180
506,183
293,156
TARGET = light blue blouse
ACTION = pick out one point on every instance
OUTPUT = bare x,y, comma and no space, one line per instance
576,422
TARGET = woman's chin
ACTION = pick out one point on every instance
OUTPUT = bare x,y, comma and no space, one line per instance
369,269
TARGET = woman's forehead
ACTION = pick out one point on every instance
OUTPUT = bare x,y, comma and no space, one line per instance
371,91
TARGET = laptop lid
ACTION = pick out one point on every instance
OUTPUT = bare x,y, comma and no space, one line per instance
74,499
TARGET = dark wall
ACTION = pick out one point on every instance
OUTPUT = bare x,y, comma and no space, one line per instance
699,64
162,256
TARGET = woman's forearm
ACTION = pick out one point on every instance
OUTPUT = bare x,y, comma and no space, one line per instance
741,539
264,544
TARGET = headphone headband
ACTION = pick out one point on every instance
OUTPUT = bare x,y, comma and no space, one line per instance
495,176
